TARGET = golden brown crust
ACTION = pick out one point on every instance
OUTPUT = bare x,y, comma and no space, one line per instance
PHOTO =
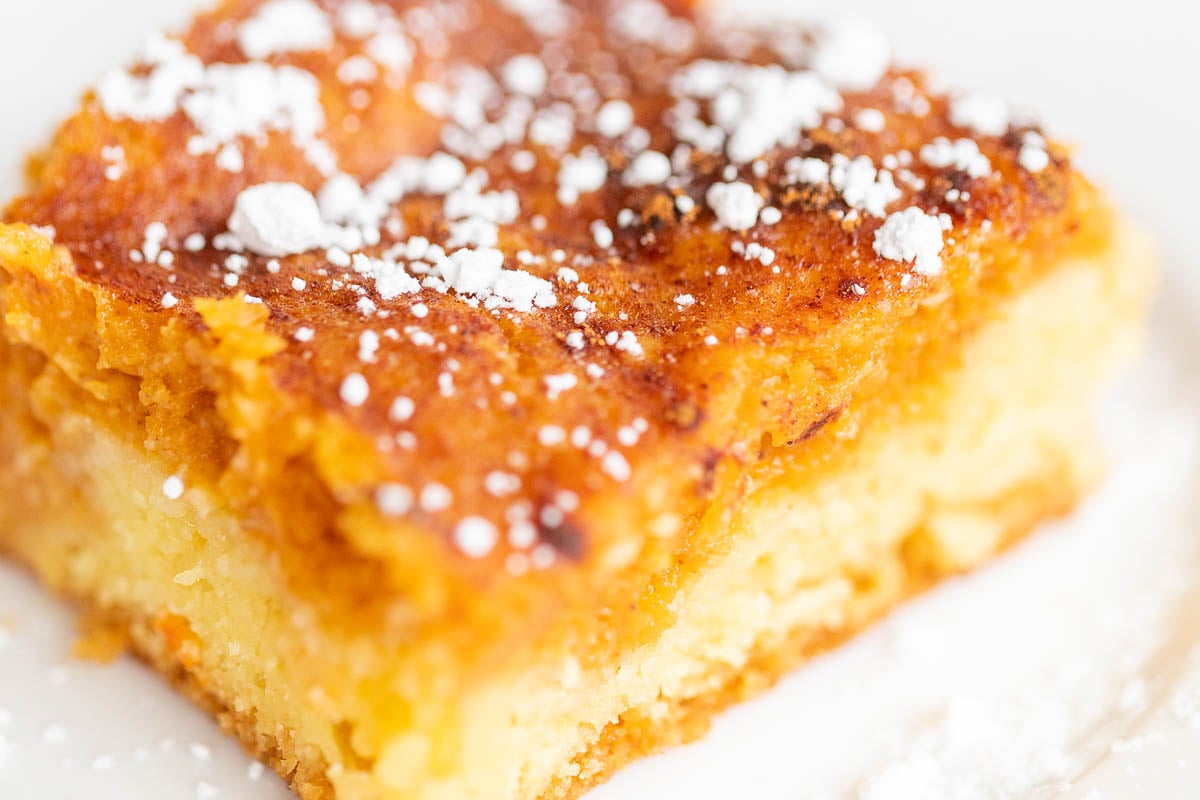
305,775
796,339
304,772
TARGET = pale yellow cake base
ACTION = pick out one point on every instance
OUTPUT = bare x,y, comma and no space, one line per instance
825,537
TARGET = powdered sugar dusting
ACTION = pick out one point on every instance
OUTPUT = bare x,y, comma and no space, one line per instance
735,204
475,537
754,108
962,154
282,26
224,101
912,236
277,219
524,183
1185,700
852,54
981,113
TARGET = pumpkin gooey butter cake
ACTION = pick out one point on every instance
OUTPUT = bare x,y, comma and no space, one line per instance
463,398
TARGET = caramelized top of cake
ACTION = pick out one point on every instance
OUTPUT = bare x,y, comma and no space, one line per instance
553,258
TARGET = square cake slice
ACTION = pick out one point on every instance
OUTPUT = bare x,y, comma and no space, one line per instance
462,398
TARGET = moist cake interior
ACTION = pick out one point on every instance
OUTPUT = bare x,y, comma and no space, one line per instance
804,548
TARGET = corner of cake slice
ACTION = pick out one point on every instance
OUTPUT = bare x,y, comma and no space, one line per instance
463,400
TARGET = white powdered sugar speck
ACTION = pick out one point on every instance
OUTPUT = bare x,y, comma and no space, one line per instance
524,74
914,237
861,185
735,204
475,537
284,26
614,118
648,169
580,174
1033,156
962,154
173,488
980,113
852,54
277,219
394,500
354,390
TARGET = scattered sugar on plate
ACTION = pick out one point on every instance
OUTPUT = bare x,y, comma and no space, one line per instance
206,791
1185,701
1013,678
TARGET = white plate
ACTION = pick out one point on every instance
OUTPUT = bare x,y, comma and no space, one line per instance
1074,657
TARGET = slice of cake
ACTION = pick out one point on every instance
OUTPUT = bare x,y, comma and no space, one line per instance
462,399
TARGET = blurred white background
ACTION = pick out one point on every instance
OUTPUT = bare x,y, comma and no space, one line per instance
1118,78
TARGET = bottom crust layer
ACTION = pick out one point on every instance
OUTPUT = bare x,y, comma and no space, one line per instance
633,738
971,460
622,742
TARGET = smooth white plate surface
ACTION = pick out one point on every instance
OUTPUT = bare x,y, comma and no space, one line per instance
1069,658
